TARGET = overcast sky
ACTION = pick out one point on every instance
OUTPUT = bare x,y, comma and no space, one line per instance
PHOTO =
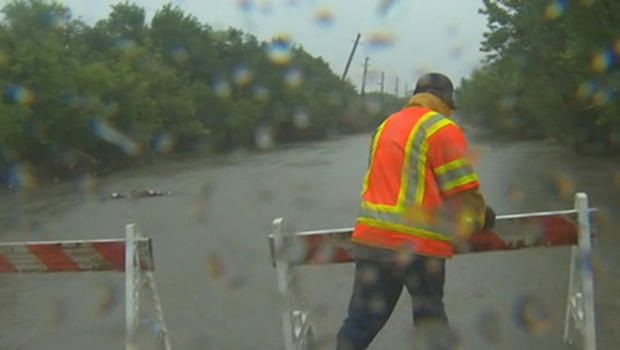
439,35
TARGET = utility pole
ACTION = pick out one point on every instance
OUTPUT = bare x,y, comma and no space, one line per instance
346,68
406,89
364,77
382,82
396,87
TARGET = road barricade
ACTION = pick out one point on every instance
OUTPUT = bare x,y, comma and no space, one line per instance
521,231
132,255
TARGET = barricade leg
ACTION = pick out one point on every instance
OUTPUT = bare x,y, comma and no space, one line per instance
297,327
135,280
580,303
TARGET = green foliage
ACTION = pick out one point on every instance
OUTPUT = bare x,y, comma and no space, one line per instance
551,70
124,88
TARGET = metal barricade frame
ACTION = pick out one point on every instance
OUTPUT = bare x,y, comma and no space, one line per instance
132,255
333,246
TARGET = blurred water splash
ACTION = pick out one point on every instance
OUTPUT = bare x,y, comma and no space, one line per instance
489,327
179,54
385,6
221,87
380,40
301,120
530,314
241,75
261,93
555,9
601,61
215,266
263,137
56,18
20,176
124,44
115,137
561,184
87,183
245,5
163,142
279,50
18,94
109,297
324,17
603,96
293,78
587,88
266,7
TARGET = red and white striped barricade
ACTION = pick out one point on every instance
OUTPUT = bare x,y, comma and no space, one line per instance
521,231
133,255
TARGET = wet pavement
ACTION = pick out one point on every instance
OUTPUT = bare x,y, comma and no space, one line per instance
213,271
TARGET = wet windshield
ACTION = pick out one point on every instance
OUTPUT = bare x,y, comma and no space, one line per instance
158,140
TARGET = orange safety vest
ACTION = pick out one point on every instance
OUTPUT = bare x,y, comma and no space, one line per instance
417,158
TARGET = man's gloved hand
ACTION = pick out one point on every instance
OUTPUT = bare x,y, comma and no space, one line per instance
489,219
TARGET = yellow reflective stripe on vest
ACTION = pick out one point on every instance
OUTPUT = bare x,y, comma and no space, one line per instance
457,163
375,141
429,131
454,174
415,140
402,228
459,182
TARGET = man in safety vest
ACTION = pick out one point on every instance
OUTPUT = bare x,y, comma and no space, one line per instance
420,199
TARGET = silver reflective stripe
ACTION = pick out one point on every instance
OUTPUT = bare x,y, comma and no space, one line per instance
450,176
415,157
442,229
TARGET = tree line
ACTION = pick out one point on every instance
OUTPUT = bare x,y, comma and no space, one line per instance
79,97
551,71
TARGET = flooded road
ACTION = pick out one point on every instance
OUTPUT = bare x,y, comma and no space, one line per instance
213,270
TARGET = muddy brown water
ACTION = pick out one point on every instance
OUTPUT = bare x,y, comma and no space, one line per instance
213,271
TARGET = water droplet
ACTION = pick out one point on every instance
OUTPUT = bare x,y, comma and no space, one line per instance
385,6
266,7
301,119
489,327
263,137
215,265
601,61
380,40
293,78
587,89
163,142
261,93
115,137
603,96
87,183
617,46
531,315
18,94
562,185
222,88
179,54
456,50
555,9
279,50
324,17
20,176
245,5
377,304
124,44
242,75
56,18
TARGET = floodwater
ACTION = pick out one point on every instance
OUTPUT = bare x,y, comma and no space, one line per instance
215,280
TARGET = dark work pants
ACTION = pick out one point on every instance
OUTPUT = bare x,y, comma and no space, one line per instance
376,290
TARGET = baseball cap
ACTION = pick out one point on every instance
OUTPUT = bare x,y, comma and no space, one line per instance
438,85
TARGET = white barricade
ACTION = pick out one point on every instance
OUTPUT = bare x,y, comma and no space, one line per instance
133,255
543,229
